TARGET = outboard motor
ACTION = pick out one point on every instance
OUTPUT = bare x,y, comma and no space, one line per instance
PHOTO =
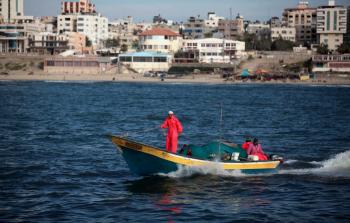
275,157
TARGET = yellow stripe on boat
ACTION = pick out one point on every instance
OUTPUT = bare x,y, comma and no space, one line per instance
121,142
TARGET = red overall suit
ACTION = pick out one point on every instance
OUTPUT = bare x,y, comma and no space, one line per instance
174,128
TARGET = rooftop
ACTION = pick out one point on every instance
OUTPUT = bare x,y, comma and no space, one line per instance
144,54
159,32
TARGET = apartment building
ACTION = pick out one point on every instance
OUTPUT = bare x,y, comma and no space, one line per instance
52,43
94,26
14,36
160,40
331,25
67,23
215,50
231,29
123,29
257,28
286,33
77,7
304,19
213,20
194,28
9,9
347,35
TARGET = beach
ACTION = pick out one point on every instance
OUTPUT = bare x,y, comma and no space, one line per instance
29,68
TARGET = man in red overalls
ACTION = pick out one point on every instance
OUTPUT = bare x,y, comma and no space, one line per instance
174,129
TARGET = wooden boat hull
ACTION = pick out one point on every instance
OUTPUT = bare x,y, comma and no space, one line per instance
147,160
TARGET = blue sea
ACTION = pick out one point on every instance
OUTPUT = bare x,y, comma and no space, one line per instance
57,165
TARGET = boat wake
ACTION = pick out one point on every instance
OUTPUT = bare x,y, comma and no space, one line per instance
337,166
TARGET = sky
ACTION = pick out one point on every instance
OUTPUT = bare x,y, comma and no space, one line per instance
177,10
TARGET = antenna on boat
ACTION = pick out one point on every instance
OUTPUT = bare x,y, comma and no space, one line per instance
220,133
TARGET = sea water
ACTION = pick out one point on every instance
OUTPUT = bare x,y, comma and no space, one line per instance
57,164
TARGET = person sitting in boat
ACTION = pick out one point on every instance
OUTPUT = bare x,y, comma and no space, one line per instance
256,150
248,141
174,130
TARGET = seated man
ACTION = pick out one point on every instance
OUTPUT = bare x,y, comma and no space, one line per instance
248,141
256,150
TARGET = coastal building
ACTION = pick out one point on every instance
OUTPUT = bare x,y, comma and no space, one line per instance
160,40
214,50
52,43
257,28
285,33
13,38
124,30
94,26
231,29
77,65
212,20
142,62
77,7
331,25
304,19
331,63
10,9
275,22
194,28
67,23
48,43
347,34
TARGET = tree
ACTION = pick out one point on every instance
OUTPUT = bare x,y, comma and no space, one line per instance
112,42
88,42
344,48
323,49
135,44
124,48
208,35
282,45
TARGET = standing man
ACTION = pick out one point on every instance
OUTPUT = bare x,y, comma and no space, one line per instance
174,130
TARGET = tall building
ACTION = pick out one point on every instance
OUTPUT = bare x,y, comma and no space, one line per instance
77,7
304,19
347,35
95,27
9,9
331,24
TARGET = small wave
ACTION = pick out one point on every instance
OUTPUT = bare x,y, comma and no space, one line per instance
71,81
290,161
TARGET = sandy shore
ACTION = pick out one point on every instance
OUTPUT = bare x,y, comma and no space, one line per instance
208,79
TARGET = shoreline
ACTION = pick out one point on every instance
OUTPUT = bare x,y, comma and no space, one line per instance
138,78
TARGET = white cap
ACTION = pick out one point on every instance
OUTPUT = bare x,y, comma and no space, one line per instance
170,112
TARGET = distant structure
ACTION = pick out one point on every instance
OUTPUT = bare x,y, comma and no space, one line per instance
331,25
77,7
304,19
10,9
158,19
231,29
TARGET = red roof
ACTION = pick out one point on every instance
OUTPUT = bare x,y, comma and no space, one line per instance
159,32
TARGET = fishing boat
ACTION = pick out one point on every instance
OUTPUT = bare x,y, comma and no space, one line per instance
144,159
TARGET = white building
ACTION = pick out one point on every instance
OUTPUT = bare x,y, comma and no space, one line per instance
214,50
146,61
256,28
160,40
286,33
213,20
95,27
66,23
9,9
331,24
